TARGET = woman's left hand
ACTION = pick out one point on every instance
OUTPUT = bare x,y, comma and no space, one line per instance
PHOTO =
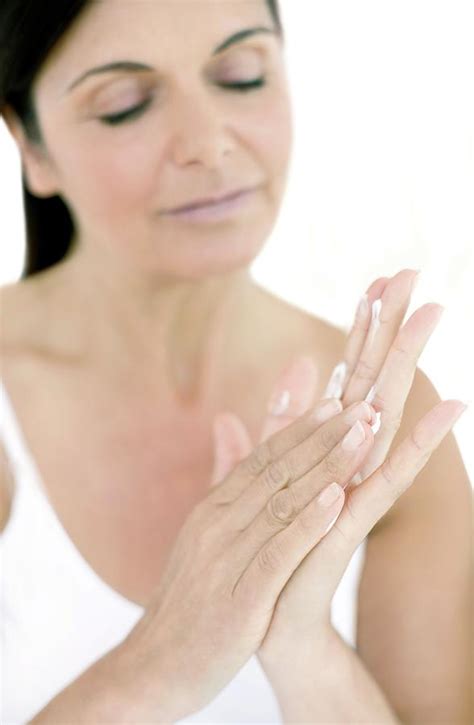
380,353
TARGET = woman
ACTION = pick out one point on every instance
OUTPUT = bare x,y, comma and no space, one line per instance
134,326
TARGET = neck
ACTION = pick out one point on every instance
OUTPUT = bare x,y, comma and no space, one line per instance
181,332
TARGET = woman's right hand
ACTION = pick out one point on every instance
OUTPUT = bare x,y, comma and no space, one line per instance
232,558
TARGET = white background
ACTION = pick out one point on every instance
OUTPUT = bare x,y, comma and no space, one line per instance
382,174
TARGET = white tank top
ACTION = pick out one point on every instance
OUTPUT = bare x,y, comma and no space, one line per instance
58,616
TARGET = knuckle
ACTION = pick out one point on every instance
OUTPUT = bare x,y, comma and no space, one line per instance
333,466
400,348
381,403
258,460
327,439
281,508
276,475
416,443
388,472
271,557
405,359
365,370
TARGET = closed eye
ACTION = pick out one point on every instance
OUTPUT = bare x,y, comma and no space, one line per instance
244,86
128,114
131,113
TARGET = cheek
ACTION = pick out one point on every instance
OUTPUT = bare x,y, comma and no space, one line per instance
110,179
117,176
273,134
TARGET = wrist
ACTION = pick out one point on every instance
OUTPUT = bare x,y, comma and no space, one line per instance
141,687
302,663
305,674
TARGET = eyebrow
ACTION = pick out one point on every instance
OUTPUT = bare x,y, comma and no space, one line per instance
132,66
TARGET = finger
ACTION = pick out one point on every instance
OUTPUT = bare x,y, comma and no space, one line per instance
343,370
390,312
274,470
338,465
367,503
273,448
232,443
396,378
360,328
293,394
284,506
280,557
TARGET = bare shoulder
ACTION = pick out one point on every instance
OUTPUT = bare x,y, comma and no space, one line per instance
21,314
9,348
308,334
29,314
20,306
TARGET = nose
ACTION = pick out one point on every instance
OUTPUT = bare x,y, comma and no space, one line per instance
199,132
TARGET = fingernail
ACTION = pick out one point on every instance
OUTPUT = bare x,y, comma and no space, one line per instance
462,409
356,479
279,403
337,381
355,438
358,411
375,322
329,495
363,307
376,307
376,426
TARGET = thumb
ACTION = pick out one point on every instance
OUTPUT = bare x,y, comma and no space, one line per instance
232,443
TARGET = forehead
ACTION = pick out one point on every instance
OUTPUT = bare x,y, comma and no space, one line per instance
159,32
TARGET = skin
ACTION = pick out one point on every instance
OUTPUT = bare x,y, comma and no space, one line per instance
165,291
432,494
168,306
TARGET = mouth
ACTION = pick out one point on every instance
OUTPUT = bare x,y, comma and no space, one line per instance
231,206
209,203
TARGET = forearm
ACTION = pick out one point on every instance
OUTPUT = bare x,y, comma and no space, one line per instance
330,686
110,691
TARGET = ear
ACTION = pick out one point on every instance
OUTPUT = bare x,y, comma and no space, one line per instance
37,167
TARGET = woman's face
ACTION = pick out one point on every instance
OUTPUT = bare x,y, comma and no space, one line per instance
191,136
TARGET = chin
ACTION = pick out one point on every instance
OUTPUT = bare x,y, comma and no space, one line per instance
208,262
219,250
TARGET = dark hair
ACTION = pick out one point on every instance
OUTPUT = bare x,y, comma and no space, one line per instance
28,31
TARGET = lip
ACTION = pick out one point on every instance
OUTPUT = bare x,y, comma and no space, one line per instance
209,202
216,212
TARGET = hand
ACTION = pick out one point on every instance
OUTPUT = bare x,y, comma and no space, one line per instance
229,564
303,609
360,374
